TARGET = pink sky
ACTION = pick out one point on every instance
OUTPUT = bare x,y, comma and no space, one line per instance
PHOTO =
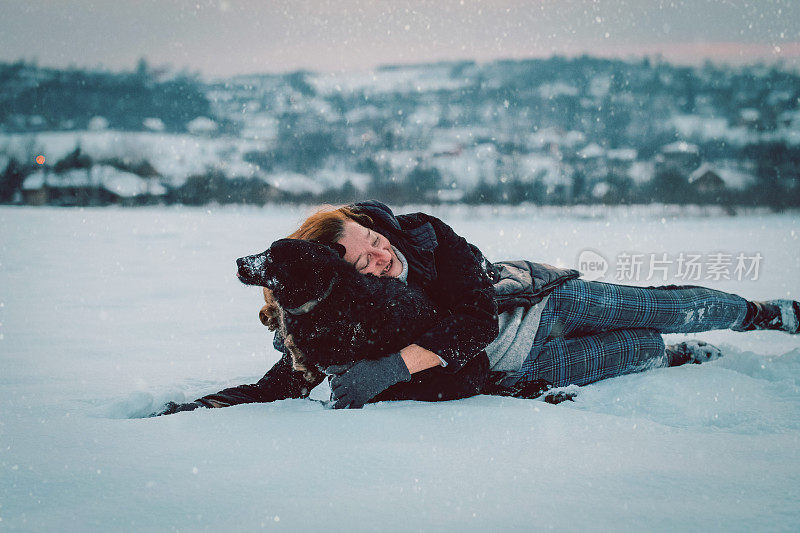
224,37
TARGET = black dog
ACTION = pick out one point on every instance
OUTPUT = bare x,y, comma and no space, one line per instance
335,315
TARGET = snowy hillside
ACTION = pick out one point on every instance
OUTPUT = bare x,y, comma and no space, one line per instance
547,131
107,313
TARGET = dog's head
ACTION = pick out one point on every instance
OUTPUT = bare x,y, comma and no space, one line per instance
299,273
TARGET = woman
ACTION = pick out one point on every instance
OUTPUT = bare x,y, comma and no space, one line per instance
533,321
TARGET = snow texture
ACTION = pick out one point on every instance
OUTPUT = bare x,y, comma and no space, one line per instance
105,314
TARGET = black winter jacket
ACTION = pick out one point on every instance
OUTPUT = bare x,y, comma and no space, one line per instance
469,291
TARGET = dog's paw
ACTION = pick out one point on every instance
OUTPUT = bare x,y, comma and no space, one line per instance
563,394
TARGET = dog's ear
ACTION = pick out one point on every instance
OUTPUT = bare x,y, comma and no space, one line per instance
338,248
270,314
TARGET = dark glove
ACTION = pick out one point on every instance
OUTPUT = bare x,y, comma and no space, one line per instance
170,408
530,390
354,385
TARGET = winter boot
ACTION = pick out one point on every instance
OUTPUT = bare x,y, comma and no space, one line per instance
779,315
691,352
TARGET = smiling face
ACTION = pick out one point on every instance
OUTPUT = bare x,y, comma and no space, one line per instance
369,251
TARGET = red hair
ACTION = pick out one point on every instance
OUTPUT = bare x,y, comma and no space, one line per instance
326,226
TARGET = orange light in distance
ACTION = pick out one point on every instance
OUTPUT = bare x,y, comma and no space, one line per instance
40,159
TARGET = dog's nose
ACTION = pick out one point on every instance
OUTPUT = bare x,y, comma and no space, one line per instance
254,270
242,270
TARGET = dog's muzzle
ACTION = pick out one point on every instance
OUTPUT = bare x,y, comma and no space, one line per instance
250,270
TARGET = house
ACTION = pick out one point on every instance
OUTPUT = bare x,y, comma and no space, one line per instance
790,119
450,196
547,170
467,166
620,161
590,160
97,185
34,191
202,126
681,157
715,178
126,188
706,181
750,117
294,184
334,178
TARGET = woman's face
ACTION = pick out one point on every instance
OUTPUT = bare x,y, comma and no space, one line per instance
369,251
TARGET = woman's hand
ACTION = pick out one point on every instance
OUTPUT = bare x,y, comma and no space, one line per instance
170,408
354,385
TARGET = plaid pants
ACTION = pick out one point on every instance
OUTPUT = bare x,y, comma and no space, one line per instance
590,330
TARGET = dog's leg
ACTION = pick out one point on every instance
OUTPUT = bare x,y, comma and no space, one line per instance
311,374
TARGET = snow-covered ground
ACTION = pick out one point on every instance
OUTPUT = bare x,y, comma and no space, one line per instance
107,313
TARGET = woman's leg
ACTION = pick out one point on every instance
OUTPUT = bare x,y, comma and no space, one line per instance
590,358
579,307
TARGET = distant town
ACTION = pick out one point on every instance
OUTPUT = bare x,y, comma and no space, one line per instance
556,131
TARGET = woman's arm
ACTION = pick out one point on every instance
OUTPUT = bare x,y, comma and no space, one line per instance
279,383
418,358
463,291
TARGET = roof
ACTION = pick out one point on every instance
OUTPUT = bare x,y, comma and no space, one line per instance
622,154
34,181
732,177
294,183
680,147
201,125
118,182
591,151
336,178
544,168
124,184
